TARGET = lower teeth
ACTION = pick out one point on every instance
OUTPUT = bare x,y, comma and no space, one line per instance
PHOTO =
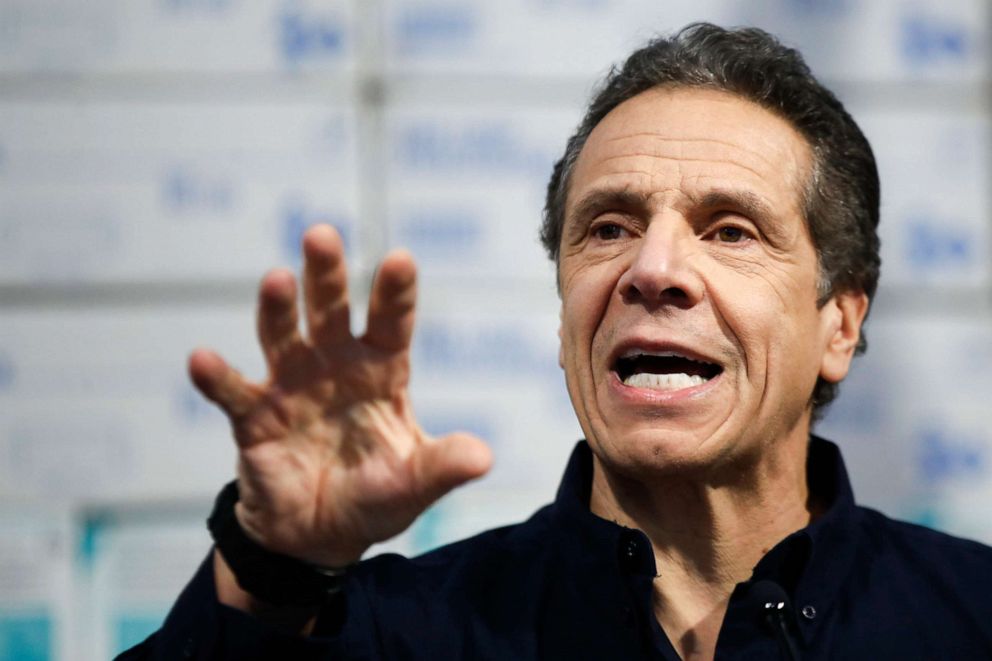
663,381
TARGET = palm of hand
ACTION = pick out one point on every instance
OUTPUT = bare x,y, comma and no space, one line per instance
331,459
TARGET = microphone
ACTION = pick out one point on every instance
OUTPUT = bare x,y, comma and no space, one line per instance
773,603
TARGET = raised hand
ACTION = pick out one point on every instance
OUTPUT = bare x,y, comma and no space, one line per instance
330,457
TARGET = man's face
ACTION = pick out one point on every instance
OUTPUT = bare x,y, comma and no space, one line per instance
690,332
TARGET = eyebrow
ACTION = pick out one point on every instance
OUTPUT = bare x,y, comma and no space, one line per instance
745,201
598,201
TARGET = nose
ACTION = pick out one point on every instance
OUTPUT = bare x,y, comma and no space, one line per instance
662,271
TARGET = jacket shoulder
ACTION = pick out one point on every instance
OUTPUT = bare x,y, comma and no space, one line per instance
951,567
917,540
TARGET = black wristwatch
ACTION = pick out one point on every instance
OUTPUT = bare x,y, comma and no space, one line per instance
274,578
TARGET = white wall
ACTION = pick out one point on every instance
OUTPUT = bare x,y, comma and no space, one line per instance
157,156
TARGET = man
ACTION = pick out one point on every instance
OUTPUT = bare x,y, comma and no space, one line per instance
713,223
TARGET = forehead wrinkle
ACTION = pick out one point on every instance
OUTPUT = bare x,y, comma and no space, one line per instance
685,142
679,161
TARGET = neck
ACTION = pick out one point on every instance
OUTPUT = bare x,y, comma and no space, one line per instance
708,532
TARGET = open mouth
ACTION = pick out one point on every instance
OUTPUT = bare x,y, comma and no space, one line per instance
663,371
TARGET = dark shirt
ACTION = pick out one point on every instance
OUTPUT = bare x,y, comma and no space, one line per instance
567,584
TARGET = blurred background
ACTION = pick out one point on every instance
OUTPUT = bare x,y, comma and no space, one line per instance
157,156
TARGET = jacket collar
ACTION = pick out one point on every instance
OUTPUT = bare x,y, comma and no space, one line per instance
806,563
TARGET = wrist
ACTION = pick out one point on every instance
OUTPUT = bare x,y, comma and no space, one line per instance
268,577
333,560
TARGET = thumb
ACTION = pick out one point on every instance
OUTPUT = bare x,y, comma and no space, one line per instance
452,460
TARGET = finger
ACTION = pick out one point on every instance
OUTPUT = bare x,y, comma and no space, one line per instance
325,287
278,319
451,461
221,384
392,303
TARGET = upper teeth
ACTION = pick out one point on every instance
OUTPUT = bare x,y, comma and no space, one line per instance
664,381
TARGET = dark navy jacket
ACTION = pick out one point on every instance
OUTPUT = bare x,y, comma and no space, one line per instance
567,584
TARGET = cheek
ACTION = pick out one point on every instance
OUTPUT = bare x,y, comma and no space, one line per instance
792,349
762,320
577,332
586,295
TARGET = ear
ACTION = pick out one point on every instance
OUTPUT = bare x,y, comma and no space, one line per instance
842,316
561,349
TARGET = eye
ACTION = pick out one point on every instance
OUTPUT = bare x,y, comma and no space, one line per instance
608,232
730,234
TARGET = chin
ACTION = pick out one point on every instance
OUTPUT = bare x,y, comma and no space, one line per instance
658,453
